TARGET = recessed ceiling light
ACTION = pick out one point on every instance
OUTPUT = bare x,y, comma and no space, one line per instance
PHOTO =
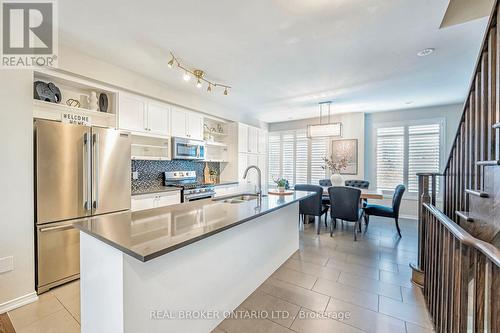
426,52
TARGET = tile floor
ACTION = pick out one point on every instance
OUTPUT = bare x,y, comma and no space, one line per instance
329,285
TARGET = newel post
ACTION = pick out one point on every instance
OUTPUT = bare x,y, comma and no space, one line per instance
423,197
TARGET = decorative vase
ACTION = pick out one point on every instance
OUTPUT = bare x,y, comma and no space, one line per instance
94,102
337,179
281,189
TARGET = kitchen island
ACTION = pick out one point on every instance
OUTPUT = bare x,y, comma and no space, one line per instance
182,268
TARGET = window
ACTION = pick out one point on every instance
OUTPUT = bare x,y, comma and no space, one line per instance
295,157
404,151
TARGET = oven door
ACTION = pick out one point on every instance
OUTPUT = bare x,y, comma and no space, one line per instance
198,196
184,149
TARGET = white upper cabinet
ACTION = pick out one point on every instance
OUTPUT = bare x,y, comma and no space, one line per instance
132,113
186,124
262,148
253,140
195,126
242,138
178,122
140,115
158,118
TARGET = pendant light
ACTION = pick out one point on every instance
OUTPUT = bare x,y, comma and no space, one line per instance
324,130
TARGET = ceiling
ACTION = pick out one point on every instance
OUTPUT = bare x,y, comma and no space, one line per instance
282,57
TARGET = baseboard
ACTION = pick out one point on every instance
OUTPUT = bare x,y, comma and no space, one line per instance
18,302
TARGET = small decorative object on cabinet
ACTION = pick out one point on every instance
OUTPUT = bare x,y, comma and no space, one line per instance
56,91
206,174
336,166
73,103
43,92
94,106
103,102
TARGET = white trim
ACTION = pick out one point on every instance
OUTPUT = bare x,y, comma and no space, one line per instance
18,302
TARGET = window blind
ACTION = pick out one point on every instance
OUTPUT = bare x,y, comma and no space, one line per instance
318,152
390,157
423,152
295,157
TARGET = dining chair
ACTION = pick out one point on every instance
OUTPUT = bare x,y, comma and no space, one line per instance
325,182
313,206
345,205
363,184
386,211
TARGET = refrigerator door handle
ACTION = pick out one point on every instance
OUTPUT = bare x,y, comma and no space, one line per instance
96,170
87,172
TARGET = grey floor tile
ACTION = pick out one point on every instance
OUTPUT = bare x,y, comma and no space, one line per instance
278,310
295,277
355,269
367,320
295,295
250,325
413,295
405,311
347,294
371,285
402,280
313,269
412,328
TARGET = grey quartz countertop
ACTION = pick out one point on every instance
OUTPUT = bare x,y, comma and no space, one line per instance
152,190
151,233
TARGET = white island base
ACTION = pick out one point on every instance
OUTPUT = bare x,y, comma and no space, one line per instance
120,293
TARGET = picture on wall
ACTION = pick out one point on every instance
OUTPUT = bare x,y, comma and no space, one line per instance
346,149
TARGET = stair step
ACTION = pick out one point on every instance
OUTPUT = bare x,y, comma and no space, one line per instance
494,162
464,215
497,125
477,193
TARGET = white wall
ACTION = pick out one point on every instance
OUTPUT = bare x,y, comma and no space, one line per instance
451,115
16,183
353,128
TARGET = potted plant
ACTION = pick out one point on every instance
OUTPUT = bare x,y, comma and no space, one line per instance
335,167
281,183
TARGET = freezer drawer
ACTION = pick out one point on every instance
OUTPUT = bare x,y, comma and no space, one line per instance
58,254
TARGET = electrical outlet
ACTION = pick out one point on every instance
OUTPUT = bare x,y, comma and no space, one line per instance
135,175
6,264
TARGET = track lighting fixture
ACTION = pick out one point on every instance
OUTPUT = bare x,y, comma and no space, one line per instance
198,74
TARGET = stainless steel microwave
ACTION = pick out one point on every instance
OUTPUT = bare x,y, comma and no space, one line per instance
187,149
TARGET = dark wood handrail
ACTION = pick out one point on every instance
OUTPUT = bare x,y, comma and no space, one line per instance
490,251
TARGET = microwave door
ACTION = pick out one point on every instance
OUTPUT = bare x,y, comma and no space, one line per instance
111,165
62,168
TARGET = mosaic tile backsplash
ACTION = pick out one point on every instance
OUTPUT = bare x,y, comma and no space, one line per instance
151,172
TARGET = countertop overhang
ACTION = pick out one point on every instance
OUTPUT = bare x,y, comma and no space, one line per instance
151,233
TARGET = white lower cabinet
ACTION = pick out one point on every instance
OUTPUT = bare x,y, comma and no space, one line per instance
223,190
155,200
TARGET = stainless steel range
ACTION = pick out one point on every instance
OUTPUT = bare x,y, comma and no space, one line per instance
191,189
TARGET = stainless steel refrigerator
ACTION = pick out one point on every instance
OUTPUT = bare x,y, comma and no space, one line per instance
80,171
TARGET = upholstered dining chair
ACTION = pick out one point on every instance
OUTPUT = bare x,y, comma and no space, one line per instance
385,211
345,206
313,206
364,184
325,182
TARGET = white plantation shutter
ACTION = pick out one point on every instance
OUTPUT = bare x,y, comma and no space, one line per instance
295,157
390,157
423,152
288,152
274,160
301,157
318,152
